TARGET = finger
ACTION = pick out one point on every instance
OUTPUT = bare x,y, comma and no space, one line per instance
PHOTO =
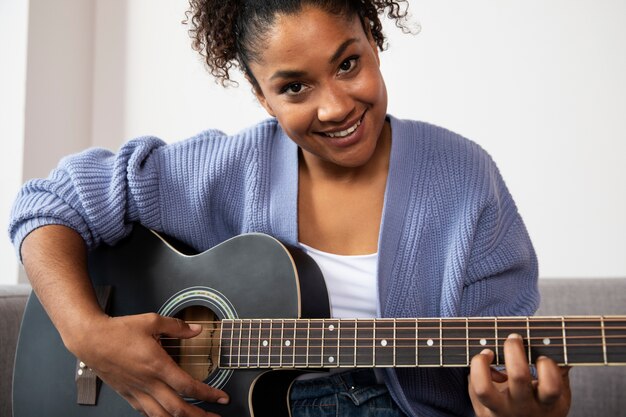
148,406
481,386
173,327
517,369
174,405
185,385
550,381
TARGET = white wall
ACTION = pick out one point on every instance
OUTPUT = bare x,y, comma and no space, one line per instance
539,84
13,35
542,86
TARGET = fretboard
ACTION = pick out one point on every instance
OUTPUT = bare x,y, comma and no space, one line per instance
331,343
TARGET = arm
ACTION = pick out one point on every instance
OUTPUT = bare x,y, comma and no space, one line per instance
503,277
124,351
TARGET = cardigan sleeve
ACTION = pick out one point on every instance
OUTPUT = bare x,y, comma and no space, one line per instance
97,193
502,270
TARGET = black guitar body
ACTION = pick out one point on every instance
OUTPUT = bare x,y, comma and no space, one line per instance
250,276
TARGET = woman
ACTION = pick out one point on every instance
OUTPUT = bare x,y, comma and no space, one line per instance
331,172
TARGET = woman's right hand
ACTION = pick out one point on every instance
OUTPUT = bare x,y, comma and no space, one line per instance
125,352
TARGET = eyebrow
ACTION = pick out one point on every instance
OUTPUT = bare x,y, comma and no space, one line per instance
342,48
298,74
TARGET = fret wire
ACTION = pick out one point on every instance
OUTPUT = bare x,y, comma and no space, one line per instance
293,345
417,355
258,352
356,338
338,342
282,342
374,343
528,338
467,345
232,332
323,330
239,344
249,341
269,345
564,340
308,340
604,353
394,341
441,342
496,340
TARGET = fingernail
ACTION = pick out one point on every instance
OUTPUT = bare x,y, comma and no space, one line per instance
514,336
195,327
485,352
222,400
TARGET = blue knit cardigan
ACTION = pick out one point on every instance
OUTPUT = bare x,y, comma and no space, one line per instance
451,243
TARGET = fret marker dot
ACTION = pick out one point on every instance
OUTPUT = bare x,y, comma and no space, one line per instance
331,327
265,343
430,342
383,342
546,341
483,342
331,359
287,343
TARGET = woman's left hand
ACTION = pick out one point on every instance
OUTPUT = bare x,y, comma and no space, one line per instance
515,393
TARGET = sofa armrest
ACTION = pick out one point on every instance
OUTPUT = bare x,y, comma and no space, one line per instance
12,302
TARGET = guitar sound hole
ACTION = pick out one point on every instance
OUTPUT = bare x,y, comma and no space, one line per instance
197,356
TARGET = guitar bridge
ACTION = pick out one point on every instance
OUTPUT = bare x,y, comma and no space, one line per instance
87,382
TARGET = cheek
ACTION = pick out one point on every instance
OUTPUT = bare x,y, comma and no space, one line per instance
295,119
371,88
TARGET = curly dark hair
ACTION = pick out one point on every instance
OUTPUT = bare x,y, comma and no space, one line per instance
228,33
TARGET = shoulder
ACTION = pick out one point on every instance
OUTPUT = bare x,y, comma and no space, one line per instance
261,133
436,138
208,146
443,150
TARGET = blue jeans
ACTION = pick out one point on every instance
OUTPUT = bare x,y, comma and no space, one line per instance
347,394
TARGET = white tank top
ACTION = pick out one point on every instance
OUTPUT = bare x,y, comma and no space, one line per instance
351,282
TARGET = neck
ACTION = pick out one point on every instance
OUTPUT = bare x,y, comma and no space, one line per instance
435,342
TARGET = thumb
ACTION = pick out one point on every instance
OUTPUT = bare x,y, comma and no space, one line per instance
173,327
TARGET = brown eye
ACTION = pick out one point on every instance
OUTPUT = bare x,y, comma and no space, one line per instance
348,65
294,88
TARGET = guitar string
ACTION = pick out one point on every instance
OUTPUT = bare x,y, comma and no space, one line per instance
290,325
423,338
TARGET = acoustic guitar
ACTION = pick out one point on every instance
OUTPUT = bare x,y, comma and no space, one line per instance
264,308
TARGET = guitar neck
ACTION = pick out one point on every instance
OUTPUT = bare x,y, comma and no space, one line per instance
436,342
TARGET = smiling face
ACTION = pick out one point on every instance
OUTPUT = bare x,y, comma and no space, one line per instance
319,76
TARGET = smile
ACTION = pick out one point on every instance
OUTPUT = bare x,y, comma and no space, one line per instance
344,133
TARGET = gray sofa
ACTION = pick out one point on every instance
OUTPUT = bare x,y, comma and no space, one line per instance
597,391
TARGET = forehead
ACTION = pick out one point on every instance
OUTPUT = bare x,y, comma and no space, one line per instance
307,34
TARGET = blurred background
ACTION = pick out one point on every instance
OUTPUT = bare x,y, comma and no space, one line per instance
541,85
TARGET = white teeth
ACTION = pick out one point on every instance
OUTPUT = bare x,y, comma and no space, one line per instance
344,133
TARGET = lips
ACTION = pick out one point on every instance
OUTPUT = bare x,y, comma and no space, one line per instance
344,133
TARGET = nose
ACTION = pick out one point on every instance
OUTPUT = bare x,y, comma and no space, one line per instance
335,104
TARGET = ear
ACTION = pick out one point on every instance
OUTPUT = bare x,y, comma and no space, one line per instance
258,93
